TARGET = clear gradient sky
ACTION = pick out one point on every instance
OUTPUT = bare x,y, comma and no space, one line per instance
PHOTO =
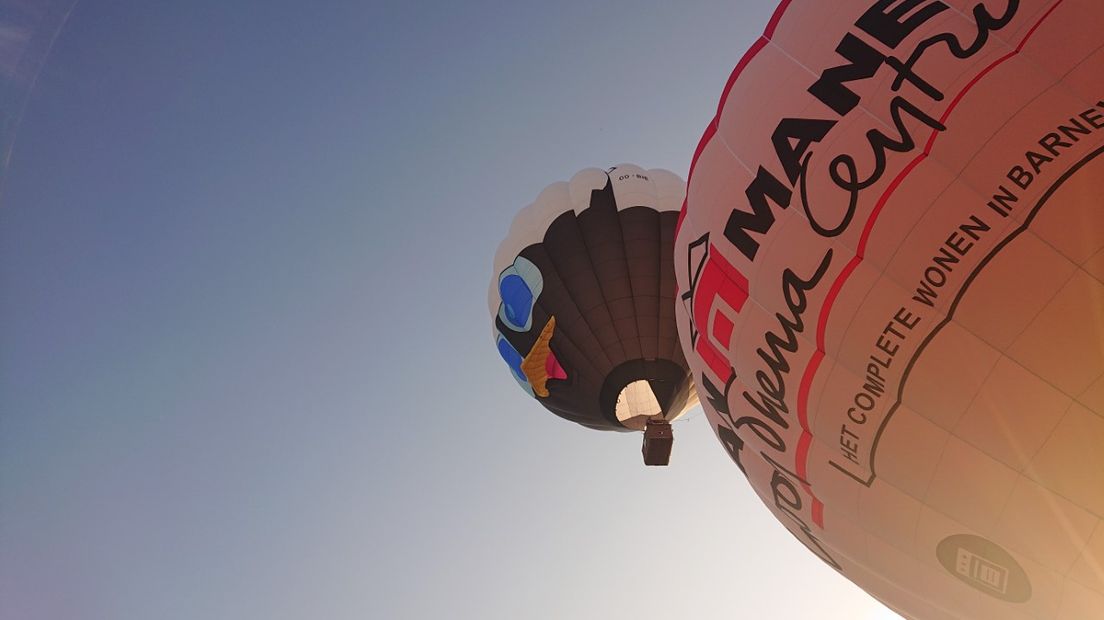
246,369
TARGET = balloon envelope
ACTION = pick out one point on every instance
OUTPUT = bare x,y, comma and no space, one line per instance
891,277
582,299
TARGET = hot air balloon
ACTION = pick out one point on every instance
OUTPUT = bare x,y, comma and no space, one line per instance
582,303
891,295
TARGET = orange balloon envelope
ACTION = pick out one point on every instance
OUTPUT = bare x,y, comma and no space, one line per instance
891,296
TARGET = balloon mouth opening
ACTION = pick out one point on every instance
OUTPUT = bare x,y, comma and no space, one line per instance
636,404
643,389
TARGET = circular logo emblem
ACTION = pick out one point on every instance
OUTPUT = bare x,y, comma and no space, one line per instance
985,566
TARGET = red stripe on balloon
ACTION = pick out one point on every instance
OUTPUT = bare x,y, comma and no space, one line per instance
777,17
744,61
1019,48
966,89
803,444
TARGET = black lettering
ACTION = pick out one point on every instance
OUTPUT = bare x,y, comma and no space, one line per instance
925,294
905,73
1037,160
874,372
885,345
1093,117
777,360
784,492
958,243
889,24
874,385
986,23
764,432
716,399
935,277
1052,141
852,201
805,131
769,408
880,143
974,230
732,445
1077,127
764,187
864,63
864,401
945,259
811,542
1022,178
908,319
1001,203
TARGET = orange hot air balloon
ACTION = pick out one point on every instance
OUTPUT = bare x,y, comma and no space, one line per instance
891,296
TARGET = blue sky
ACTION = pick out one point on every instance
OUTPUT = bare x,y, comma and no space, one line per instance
245,363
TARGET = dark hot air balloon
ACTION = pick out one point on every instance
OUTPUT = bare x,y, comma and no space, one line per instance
582,302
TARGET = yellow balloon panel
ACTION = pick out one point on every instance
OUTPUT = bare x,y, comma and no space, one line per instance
891,284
